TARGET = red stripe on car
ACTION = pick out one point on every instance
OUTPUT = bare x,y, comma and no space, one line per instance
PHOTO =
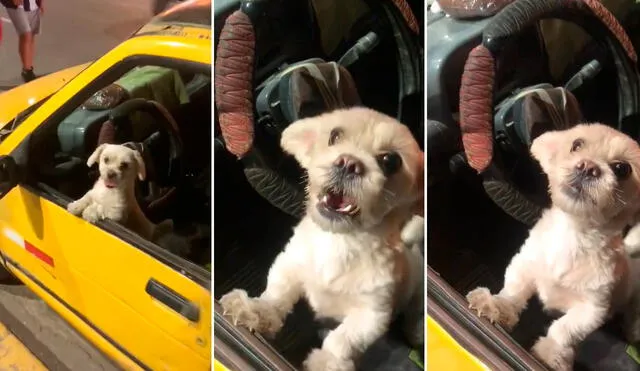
38,253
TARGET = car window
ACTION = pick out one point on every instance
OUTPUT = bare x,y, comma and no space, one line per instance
176,189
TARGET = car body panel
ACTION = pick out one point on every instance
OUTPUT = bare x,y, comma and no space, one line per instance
444,352
217,366
19,98
93,279
113,299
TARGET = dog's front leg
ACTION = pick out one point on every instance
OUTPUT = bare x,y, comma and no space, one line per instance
77,207
349,340
266,313
505,307
557,349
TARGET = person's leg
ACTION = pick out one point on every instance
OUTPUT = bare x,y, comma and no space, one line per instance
28,42
22,25
25,48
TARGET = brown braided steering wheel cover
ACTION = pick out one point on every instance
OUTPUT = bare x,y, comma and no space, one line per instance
476,91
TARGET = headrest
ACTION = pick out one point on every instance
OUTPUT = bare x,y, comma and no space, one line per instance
106,98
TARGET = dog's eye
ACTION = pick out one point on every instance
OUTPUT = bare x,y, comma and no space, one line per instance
335,134
389,162
105,160
621,169
124,166
577,144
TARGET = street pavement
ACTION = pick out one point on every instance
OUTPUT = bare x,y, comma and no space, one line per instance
72,32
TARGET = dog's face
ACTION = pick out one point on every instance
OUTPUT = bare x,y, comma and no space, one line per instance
361,165
593,171
118,164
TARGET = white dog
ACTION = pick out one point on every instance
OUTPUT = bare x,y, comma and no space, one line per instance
347,256
113,195
574,258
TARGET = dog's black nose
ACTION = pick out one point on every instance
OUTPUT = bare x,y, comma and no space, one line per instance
111,174
589,169
349,164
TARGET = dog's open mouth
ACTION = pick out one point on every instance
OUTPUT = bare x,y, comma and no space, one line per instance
110,183
337,202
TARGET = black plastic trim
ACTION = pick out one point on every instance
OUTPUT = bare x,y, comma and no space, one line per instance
173,300
473,325
228,334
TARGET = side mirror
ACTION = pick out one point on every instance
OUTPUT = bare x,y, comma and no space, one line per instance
9,176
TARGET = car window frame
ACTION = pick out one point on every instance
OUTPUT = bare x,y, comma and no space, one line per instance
194,272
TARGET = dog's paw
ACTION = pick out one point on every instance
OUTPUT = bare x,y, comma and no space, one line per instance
632,241
252,313
494,308
413,231
93,213
117,214
75,208
553,355
322,360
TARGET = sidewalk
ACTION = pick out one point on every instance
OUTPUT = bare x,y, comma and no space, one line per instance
15,356
49,339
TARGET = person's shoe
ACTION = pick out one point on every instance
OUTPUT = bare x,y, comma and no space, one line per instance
28,75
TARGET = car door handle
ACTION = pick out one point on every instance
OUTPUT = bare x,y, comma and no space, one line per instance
173,300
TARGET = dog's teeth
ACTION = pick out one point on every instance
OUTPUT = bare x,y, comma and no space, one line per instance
346,209
325,199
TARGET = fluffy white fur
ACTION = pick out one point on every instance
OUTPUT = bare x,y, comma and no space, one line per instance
574,259
632,239
113,195
360,269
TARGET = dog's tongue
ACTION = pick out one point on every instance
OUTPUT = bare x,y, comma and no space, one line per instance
339,203
335,200
110,183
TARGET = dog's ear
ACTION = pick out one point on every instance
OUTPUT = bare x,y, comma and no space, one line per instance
142,169
96,155
299,138
545,147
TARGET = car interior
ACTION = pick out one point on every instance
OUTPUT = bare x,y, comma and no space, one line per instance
260,197
166,113
472,233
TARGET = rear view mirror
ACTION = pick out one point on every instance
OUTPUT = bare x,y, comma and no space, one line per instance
8,174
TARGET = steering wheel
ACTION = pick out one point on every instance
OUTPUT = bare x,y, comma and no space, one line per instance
478,122
120,129
254,138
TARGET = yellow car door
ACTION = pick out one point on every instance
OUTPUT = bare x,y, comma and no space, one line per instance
143,306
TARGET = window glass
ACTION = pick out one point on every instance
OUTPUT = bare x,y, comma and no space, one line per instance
176,191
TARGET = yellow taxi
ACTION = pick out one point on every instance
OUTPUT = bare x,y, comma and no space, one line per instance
148,307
